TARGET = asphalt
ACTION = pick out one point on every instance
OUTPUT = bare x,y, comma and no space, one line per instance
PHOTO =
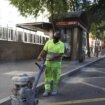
86,87
7,70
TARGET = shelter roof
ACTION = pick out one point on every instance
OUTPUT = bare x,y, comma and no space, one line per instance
34,26
79,16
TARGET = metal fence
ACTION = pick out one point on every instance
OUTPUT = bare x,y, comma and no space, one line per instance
10,34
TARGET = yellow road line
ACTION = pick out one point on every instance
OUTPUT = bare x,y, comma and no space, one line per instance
94,86
78,101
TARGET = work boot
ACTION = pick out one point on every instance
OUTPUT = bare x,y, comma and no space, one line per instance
46,93
54,92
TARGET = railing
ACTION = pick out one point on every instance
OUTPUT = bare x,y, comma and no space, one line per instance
10,34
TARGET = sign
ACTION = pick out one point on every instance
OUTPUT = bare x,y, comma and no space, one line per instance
67,23
70,23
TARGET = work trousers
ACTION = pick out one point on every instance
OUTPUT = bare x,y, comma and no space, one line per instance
52,74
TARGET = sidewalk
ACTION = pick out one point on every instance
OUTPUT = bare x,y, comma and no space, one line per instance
67,68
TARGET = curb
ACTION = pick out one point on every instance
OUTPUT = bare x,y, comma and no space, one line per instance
78,68
40,87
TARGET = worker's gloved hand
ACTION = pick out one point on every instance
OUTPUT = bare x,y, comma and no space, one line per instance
51,59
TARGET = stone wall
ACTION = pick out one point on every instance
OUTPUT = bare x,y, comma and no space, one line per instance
10,51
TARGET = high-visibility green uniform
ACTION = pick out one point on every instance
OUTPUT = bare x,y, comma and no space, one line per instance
53,68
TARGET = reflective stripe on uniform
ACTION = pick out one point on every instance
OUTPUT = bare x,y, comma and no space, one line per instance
50,54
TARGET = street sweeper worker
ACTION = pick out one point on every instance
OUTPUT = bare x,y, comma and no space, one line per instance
52,51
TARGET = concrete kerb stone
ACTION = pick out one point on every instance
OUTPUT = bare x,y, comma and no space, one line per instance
5,101
78,68
40,87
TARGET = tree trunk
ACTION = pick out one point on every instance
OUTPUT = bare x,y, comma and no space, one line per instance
88,47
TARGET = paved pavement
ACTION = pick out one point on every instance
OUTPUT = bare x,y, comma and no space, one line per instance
7,70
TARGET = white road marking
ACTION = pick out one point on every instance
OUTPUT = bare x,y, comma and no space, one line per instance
94,86
12,73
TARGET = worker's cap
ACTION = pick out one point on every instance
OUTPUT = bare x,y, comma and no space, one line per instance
57,34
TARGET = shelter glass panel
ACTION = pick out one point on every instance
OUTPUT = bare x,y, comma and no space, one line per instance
66,38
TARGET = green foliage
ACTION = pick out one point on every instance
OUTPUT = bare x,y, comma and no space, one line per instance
93,28
28,7
98,30
96,15
33,7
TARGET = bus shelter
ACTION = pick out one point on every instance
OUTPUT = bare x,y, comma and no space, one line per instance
73,27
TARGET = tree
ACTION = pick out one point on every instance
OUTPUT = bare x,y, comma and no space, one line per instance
33,7
96,16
